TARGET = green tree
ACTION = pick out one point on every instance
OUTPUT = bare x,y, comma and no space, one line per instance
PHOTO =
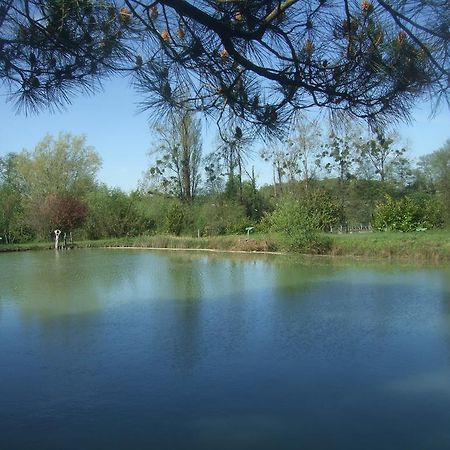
55,176
11,207
62,165
435,168
175,219
260,61
341,152
299,157
219,215
305,150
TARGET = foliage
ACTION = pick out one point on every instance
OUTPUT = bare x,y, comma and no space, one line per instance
300,211
112,213
260,61
435,168
299,220
62,165
175,219
218,216
406,214
230,157
56,211
48,184
11,202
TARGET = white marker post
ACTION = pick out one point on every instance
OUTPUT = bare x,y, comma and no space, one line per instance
57,233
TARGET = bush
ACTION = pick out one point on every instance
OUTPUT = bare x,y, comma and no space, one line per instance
300,222
219,217
175,219
407,214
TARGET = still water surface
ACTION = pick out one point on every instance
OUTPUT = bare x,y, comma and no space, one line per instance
132,349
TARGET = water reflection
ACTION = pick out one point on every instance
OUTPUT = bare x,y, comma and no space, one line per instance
137,349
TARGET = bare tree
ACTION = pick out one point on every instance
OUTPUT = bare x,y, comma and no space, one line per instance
306,146
179,145
380,153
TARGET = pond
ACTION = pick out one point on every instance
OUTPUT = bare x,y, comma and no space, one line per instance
137,349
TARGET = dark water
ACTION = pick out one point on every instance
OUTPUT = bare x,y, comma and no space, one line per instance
120,349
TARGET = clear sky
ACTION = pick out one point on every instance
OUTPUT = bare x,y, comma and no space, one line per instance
123,137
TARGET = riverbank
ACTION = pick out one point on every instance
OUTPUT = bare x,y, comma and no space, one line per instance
433,247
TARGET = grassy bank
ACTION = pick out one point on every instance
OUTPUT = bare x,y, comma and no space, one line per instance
225,243
431,247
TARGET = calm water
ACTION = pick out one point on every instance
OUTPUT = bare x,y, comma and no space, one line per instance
132,349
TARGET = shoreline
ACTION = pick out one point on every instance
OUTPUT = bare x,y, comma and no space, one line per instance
414,248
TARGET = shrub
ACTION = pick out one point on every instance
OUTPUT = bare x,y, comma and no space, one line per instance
175,219
299,222
407,214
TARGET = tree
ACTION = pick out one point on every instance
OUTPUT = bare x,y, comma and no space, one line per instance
113,213
11,204
306,146
280,165
299,157
53,179
299,220
233,151
62,165
341,151
380,154
56,211
180,147
436,169
260,60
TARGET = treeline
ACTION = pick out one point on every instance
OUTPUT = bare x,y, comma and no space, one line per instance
321,182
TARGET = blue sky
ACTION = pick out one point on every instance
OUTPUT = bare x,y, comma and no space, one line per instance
123,137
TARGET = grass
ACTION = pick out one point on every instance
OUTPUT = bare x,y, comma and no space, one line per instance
429,247
227,243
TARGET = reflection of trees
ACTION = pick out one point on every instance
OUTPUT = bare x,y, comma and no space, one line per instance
185,277
210,311
445,322
294,275
62,286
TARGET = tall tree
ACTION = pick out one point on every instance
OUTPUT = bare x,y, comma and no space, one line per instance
233,151
306,148
258,60
298,157
380,153
341,150
11,204
54,179
281,165
179,143
62,165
